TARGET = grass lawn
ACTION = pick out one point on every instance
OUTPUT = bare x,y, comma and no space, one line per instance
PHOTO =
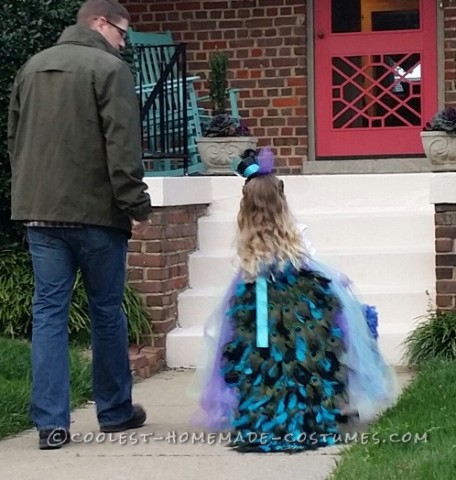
15,382
426,412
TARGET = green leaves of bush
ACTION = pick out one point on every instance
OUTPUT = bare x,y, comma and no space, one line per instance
433,339
16,295
218,84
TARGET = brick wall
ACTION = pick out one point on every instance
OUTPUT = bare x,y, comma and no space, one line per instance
445,235
158,264
266,42
450,51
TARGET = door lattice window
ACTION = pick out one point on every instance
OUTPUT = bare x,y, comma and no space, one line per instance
376,91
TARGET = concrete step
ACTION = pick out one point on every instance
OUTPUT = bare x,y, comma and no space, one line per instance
335,230
376,228
391,342
364,266
185,346
335,192
196,305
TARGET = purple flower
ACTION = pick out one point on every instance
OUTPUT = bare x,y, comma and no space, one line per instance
223,125
450,114
242,130
444,121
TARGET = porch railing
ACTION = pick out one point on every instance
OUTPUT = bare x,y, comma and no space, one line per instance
162,89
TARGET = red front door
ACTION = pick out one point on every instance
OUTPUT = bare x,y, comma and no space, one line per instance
375,76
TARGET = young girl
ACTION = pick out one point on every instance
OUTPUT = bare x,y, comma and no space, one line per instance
291,350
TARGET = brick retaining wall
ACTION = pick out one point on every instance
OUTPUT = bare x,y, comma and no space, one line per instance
158,270
445,235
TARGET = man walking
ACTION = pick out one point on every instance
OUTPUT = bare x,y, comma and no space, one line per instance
75,146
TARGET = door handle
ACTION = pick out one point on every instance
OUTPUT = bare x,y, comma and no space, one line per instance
320,35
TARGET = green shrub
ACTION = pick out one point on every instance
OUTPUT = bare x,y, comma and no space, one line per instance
433,339
16,294
217,81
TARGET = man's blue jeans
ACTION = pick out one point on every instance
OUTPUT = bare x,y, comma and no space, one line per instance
100,253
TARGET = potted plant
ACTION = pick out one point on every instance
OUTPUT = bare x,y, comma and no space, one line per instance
439,139
224,137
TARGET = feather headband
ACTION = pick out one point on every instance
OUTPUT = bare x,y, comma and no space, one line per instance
250,164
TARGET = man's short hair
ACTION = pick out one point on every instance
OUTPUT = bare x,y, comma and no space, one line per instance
112,10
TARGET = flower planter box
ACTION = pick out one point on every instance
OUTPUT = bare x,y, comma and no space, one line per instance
217,152
440,148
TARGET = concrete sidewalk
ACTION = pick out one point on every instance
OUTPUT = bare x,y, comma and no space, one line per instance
159,450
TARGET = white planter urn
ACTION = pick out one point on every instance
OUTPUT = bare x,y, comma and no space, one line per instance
217,152
440,149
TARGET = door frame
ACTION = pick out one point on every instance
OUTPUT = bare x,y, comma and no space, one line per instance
312,164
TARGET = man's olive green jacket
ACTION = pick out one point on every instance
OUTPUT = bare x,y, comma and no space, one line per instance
74,136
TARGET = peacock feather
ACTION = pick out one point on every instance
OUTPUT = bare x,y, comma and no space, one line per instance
297,383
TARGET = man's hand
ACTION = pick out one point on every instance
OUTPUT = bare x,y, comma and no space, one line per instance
140,227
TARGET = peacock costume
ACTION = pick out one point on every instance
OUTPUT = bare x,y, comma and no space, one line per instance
287,355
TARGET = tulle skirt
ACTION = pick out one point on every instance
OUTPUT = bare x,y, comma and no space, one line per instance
370,384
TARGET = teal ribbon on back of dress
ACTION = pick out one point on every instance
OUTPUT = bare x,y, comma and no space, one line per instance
261,290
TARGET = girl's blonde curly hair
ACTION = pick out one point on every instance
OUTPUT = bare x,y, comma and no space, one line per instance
267,232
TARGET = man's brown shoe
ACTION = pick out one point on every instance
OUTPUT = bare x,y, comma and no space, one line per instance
53,439
136,421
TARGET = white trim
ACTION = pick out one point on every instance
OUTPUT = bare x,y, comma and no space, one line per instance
443,188
171,191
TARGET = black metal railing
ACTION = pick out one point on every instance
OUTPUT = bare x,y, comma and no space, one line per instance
162,88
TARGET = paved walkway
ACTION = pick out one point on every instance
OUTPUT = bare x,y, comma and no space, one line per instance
145,456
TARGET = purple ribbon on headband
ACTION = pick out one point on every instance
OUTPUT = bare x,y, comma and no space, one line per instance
254,165
266,161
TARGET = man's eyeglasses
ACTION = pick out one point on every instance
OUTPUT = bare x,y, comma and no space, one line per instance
123,33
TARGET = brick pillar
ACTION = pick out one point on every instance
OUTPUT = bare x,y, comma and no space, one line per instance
445,235
158,264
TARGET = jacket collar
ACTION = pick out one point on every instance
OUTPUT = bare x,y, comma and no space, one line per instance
82,35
